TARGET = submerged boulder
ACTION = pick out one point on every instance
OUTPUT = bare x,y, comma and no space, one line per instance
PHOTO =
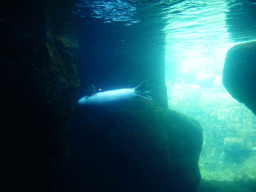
138,147
239,74
237,150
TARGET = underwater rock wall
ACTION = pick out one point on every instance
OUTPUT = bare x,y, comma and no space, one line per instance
38,67
169,141
138,147
239,73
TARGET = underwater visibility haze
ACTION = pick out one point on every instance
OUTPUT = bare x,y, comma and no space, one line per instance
129,95
195,36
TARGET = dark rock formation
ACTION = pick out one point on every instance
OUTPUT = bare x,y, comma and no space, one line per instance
239,73
138,147
38,68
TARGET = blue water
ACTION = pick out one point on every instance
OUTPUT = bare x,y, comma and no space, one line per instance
185,17
196,35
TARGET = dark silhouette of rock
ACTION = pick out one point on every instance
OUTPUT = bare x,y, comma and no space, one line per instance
239,73
138,147
38,68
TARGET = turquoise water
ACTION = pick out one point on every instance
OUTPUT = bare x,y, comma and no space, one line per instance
197,41
196,35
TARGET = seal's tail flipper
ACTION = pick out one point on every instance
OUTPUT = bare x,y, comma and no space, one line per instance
142,91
